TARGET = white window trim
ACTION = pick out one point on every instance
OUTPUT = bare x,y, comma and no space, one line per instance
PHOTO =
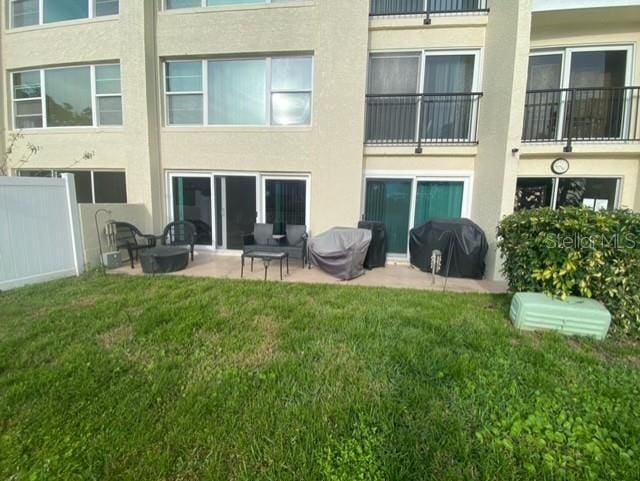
91,9
268,94
464,176
566,54
97,96
15,101
555,179
476,87
205,113
260,178
203,4
43,99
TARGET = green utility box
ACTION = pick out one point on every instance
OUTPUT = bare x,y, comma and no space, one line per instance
575,316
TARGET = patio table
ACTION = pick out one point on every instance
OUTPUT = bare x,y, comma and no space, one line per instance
266,257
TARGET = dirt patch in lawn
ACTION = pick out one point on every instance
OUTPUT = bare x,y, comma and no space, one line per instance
266,350
116,337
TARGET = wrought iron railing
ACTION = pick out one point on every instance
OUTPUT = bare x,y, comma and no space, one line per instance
426,7
582,115
422,119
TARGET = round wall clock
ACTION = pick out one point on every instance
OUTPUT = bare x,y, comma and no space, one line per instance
560,166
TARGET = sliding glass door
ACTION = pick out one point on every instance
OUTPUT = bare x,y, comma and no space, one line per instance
404,203
389,201
438,200
191,201
578,93
236,210
225,206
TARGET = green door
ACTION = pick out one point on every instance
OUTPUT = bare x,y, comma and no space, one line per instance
389,201
438,200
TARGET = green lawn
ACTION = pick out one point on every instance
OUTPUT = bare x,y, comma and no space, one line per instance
170,378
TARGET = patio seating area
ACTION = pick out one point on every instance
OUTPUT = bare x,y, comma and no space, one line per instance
398,275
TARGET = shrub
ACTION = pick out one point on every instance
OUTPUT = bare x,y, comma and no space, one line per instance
576,252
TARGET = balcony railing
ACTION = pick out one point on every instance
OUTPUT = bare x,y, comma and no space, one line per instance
426,7
582,115
422,119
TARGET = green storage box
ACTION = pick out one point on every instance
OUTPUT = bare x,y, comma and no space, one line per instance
575,316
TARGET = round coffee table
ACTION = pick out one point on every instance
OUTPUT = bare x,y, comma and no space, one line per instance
164,259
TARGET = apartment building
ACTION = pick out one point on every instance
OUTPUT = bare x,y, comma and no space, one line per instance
224,112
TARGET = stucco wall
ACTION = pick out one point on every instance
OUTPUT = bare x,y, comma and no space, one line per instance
135,214
85,42
501,118
331,149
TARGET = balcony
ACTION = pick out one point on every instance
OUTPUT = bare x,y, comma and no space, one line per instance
417,119
582,115
427,8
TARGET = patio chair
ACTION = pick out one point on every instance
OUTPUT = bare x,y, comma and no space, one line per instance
129,237
262,239
180,233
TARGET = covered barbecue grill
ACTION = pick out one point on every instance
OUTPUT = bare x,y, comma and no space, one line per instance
340,251
462,243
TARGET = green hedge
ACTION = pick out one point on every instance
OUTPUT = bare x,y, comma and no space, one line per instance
576,252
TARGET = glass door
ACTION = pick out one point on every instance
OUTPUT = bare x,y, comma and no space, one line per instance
596,110
191,201
389,201
438,200
236,211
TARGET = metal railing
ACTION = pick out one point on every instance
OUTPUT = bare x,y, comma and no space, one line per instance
582,115
422,119
379,8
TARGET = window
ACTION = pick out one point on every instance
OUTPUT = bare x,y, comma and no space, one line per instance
68,97
588,192
37,12
109,187
427,94
285,201
27,100
92,186
598,109
108,95
235,92
174,4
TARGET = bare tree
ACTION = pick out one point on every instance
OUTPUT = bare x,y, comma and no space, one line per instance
8,160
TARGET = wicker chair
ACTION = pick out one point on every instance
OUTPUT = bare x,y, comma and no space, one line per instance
127,236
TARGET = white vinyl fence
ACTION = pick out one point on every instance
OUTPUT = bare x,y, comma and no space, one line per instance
40,236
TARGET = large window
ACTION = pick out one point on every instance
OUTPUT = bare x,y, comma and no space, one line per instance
67,97
431,96
174,4
92,186
251,91
579,93
36,12
285,201
589,192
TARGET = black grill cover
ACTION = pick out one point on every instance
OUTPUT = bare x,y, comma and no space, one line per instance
377,253
466,240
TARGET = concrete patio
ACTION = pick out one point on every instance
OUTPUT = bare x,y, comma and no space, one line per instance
395,275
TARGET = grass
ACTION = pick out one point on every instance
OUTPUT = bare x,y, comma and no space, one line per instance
168,378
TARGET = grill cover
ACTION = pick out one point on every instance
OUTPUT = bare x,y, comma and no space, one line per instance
340,251
466,240
377,254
